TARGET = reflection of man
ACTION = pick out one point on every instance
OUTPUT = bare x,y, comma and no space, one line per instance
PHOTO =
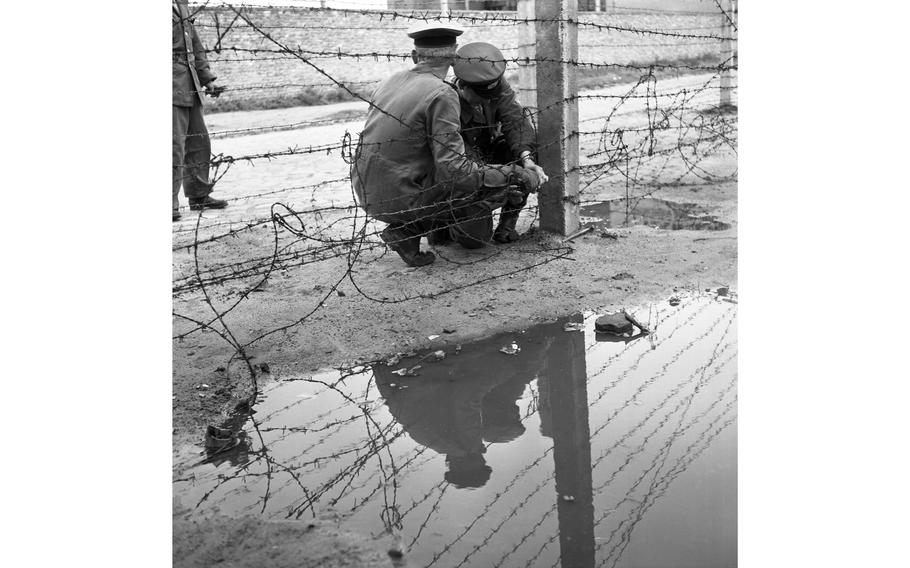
444,415
493,124
411,170
190,145
501,415
457,404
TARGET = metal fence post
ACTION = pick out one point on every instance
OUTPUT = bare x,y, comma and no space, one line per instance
557,123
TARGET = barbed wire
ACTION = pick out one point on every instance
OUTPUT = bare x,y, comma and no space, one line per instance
729,17
533,463
639,141
607,9
637,10
389,56
544,483
390,512
596,432
496,18
625,350
321,27
274,127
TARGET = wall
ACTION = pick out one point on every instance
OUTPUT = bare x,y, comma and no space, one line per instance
688,5
401,5
360,49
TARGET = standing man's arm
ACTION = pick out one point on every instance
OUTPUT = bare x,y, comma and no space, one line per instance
203,71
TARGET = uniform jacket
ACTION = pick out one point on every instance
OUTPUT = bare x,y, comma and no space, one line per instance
480,124
411,154
190,67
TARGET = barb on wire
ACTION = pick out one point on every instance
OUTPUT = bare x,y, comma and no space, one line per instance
635,140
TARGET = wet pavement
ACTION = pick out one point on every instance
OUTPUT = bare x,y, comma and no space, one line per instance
318,180
652,212
548,447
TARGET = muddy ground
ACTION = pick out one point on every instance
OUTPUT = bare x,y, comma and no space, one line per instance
248,542
352,328
603,271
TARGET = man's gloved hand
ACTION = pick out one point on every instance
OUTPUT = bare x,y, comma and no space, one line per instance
515,196
526,178
214,90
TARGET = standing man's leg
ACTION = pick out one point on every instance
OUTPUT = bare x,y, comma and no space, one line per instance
196,184
181,120
198,154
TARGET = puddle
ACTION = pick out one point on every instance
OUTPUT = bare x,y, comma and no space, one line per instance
577,450
651,212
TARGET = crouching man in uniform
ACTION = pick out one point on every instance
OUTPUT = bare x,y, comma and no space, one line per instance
493,124
411,169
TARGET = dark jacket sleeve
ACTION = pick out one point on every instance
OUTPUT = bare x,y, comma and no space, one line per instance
447,146
516,127
202,63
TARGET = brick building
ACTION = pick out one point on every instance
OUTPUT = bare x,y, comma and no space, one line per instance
583,5
453,4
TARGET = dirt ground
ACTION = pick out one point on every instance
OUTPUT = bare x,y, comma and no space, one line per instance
247,542
348,327
352,328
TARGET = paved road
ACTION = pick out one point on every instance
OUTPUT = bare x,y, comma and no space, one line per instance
289,179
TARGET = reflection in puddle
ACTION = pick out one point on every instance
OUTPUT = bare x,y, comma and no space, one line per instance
651,212
572,452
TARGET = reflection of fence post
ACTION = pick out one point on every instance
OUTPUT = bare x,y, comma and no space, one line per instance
557,123
527,72
726,51
564,386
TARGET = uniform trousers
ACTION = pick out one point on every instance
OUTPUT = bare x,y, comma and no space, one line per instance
192,152
468,221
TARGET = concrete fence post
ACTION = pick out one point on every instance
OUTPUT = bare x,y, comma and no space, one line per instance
557,121
527,72
726,52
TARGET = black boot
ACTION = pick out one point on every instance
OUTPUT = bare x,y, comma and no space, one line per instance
505,232
407,246
200,203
